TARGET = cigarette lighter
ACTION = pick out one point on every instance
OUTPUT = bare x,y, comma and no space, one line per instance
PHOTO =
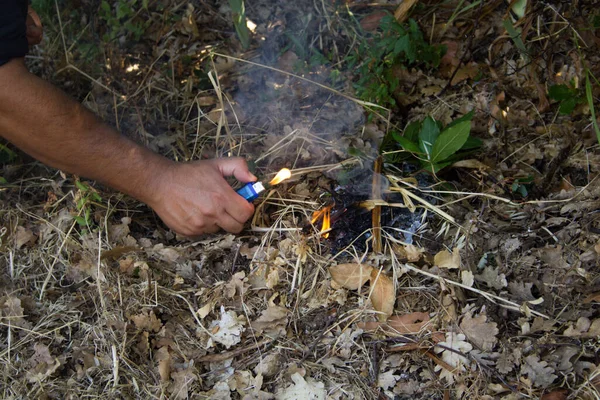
251,190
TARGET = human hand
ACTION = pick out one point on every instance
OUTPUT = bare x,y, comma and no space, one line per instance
35,31
194,198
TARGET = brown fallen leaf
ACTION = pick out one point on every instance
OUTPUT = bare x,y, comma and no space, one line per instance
445,259
469,71
351,276
399,324
592,297
24,236
371,21
383,294
472,164
560,394
163,357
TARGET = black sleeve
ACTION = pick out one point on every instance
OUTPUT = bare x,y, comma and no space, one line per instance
13,39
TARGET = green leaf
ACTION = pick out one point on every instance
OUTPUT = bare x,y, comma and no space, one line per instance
472,143
567,106
411,132
105,7
560,92
450,141
428,135
408,145
467,117
590,99
3,180
80,220
81,186
402,46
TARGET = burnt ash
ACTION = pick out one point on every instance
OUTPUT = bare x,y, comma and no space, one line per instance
351,222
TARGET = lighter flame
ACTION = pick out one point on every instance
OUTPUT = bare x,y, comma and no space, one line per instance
281,176
326,222
324,213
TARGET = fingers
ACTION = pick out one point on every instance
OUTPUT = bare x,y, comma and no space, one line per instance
235,166
230,224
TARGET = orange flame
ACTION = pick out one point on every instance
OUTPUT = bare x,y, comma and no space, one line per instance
325,214
281,176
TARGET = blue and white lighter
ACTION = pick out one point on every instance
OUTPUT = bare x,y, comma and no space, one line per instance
251,190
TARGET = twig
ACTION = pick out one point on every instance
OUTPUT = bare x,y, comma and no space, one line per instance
233,353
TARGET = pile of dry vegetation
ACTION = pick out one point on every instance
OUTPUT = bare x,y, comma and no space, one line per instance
492,292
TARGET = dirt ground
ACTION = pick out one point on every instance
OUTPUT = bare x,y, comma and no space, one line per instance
485,284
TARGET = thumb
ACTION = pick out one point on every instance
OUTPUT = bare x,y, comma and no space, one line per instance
235,166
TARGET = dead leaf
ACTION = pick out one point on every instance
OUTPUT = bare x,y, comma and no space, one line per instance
147,321
268,365
383,294
467,278
492,278
12,311
182,382
272,321
351,276
401,12
445,259
303,389
560,394
43,363
592,297
451,350
472,164
188,22
540,374
24,236
583,328
469,71
479,332
227,330
411,323
163,358
371,21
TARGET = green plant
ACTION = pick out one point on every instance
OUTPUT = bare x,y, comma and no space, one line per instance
122,19
394,46
431,144
6,154
239,21
590,100
84,199
522,185
568,97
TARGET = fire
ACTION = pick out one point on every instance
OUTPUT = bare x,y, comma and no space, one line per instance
281,176
325,214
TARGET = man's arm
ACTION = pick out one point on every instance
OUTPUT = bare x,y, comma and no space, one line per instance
191,198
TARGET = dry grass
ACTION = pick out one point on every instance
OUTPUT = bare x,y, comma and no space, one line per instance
123,309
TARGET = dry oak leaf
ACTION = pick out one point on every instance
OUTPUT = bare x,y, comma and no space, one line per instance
479,332
584,328
383,294
163,358
11,311
351,276
44,364
399,324
227,331
445,259
303,389
147,321
272,321
24,236
452,349
538,371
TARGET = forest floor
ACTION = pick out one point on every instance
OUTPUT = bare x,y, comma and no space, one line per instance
478,281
